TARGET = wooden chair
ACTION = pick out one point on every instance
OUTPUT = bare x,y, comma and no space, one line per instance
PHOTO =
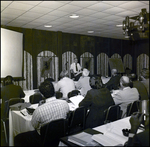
113,113
53,131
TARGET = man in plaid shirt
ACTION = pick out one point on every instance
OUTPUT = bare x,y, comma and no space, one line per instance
50,110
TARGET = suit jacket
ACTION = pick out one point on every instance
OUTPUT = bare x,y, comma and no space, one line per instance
126,96
96,100
141,89
113,83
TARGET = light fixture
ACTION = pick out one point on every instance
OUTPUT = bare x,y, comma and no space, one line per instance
141,24
74,16
90,31
48,26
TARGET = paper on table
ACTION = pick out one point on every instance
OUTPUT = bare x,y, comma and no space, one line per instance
82,139
109,139
76,100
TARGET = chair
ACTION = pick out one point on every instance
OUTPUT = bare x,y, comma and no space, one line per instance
5,117
35,98
76,120
73,93
58,94
113,113
53,131
132,107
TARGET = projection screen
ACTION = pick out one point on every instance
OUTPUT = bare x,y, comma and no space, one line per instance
11,53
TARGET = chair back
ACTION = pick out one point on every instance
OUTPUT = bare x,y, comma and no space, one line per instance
76,121
35,98
53,131
10,102
132,107
111,114
73,93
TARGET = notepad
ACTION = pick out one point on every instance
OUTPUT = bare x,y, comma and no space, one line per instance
109,139
82,139
76,100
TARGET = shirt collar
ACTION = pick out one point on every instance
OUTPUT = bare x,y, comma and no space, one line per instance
51,99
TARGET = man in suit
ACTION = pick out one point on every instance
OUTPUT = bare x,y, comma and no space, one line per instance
75,70
113,83
52,109
140,87
125,95
96,100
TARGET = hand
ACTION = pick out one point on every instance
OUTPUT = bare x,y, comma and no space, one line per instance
135,121
41,102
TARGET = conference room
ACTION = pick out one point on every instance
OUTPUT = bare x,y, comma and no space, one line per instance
40,39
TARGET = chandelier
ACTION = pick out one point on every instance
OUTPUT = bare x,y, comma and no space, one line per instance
136,25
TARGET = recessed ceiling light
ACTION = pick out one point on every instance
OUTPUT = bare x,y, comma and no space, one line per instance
74,16
90,31
119,25
48,26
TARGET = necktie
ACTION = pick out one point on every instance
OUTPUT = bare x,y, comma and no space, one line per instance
76,67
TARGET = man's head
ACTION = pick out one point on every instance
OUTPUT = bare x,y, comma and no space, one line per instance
145,73
8,80
124,81
47,89
114,72
85,72
75,60
96,81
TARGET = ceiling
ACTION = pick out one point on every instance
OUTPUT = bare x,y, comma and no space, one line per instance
98,16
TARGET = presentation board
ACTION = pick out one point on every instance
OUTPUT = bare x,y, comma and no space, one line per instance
116,63
11,53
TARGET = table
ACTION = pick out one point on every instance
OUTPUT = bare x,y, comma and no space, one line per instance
113,127
19,123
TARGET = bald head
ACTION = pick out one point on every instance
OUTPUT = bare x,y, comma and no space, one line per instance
114,71
124,81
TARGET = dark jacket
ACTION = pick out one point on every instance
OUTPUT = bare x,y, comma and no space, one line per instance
113,83
10,91
141,89
96,100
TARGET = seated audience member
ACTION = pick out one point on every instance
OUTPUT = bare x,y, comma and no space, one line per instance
53,81
138,139
65,85
83,83
144,78
8,91
51,110
125,95
96,100
139,86
113,83
127,72
37,95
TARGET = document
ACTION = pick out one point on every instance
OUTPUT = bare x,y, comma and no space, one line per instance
110,139
82,139
76,100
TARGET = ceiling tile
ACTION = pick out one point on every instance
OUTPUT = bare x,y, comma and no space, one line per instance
70,8
100,6
5,3
99,15
114,10
85,12
20,6
51,4
58,13
41,10
114,3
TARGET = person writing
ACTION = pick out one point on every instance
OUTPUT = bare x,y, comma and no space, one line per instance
138,139
75,70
